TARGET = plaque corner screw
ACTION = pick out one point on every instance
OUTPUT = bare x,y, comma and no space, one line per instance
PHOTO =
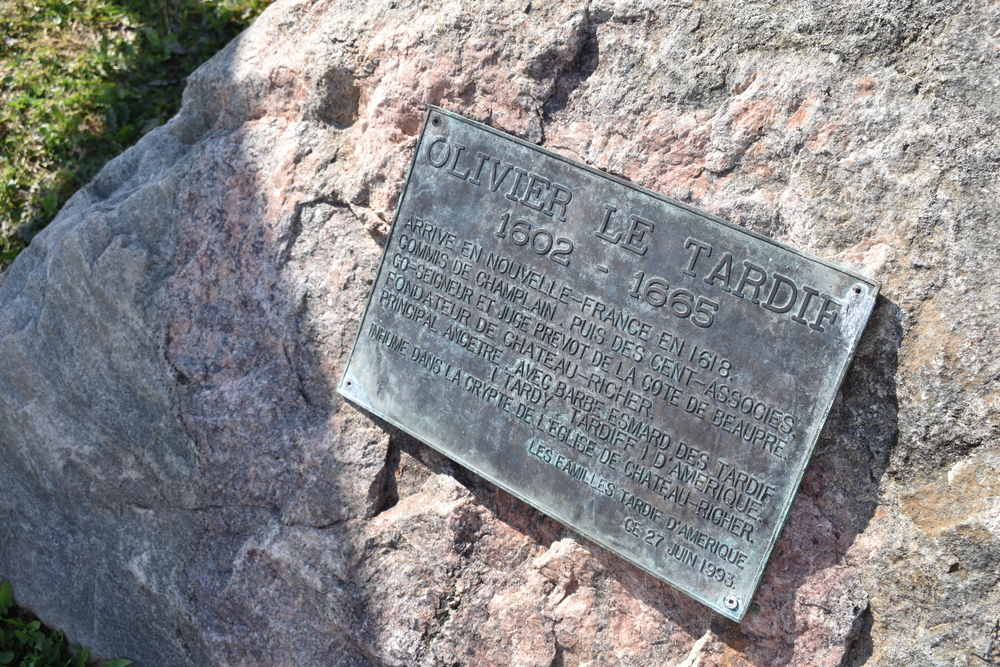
732,602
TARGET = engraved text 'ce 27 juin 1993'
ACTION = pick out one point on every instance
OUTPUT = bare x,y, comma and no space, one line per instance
649,375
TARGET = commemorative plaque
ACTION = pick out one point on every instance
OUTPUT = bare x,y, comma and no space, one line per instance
651,376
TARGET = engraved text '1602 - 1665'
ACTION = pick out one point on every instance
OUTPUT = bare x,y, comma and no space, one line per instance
650,376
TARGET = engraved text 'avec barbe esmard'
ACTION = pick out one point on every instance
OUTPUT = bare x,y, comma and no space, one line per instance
649,375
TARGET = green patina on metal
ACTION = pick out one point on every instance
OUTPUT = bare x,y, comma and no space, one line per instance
649,375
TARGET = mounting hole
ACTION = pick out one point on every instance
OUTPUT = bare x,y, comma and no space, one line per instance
349,383
435,121
857,289
732,602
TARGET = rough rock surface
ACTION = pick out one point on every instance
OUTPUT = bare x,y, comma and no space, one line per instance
181,485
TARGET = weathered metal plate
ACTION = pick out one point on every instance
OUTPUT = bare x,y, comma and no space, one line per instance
650,376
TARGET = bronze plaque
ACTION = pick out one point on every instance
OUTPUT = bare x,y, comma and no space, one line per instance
649,375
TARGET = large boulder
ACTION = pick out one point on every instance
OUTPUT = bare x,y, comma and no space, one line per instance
182,485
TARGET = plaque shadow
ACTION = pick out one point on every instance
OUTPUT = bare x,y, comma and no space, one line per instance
835,503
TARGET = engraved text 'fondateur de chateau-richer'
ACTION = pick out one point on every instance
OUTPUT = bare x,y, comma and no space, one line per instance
650,376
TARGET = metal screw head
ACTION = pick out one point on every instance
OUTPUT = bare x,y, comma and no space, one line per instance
732,602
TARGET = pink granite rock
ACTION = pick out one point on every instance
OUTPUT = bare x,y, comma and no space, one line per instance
183,486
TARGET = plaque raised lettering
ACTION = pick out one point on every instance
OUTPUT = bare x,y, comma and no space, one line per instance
651,376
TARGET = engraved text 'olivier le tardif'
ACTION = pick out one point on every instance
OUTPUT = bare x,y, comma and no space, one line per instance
650,376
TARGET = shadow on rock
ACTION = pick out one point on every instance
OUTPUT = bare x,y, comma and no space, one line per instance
810,596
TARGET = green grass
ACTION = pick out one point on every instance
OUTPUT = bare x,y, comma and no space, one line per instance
24,642
81,81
